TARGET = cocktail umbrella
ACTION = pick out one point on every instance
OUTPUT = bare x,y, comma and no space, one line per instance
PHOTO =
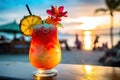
12,28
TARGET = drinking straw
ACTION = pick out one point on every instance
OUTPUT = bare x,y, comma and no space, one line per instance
28,9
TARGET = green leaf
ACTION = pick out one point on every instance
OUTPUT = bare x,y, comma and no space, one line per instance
60,25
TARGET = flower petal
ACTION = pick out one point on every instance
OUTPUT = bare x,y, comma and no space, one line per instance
64,14
57,19
49,12
61,8
53,8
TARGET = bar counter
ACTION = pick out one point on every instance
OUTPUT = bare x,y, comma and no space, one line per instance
24,70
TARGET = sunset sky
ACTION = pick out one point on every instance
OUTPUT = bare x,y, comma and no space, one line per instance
80,13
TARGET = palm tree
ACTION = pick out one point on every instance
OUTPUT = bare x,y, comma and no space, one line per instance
112,6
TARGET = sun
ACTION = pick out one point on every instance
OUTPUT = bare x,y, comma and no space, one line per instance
87,40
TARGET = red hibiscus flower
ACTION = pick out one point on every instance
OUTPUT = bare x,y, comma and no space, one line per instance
55,14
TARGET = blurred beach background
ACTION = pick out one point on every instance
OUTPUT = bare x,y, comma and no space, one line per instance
81,20
87,38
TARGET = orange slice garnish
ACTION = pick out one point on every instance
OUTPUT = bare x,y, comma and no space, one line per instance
28,23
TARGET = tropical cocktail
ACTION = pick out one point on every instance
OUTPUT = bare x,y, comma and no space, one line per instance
44,52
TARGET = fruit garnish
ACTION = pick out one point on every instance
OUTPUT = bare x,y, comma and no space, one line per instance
55,15
28,23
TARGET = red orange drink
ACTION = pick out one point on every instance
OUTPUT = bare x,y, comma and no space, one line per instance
44,52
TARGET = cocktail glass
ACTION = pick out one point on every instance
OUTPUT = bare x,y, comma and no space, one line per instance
45,52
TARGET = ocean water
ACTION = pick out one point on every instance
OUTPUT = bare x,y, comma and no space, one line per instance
86,40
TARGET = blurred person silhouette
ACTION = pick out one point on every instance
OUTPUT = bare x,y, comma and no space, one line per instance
117,45
2,37
105,46
67,47
95,42
22,38
78,42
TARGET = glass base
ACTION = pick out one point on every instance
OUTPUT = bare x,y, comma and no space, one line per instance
45,73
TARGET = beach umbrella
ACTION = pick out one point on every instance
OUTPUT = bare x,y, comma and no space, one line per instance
12,28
